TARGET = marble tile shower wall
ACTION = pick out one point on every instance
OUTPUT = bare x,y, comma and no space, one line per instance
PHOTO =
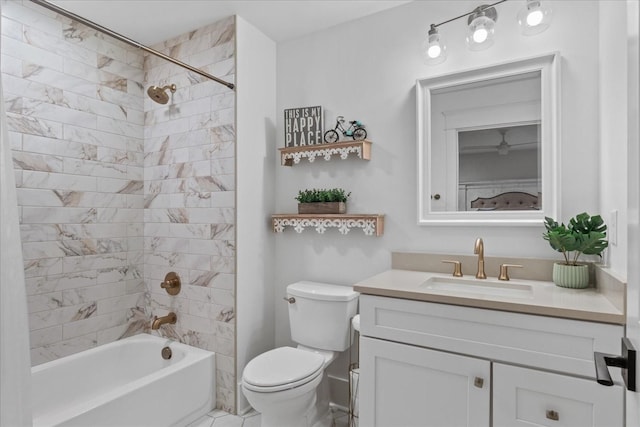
75,115
189,190
116,190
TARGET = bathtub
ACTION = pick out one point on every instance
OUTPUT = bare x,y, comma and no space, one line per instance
125,383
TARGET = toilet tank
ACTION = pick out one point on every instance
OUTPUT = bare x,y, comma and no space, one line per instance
321,314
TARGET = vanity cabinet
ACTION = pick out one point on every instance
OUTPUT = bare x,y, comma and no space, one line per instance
421,364
402,391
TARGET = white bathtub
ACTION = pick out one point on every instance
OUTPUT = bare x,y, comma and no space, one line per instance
125,383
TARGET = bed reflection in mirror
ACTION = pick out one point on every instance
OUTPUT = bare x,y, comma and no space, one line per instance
499,169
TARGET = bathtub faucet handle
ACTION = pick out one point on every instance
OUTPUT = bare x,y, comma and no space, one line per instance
171,283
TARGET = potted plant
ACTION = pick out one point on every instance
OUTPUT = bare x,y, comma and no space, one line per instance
332,201
584,234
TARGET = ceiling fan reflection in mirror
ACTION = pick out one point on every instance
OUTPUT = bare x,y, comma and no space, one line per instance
523,137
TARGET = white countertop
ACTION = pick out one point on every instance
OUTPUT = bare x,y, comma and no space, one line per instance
516,295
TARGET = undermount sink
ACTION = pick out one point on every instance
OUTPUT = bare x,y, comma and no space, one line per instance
477,287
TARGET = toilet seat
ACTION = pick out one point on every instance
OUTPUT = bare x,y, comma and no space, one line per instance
281,369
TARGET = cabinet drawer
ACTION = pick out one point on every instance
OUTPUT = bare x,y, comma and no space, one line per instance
561,345
526,397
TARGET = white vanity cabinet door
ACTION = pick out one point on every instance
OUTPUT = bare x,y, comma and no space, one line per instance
527,397
404,385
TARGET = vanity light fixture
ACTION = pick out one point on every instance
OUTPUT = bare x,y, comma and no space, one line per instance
435,49
534,18
481,27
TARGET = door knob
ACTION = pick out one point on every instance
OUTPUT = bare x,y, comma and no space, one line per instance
627,361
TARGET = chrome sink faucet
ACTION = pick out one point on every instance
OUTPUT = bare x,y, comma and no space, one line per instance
479,250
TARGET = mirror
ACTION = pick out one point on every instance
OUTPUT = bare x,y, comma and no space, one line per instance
487,144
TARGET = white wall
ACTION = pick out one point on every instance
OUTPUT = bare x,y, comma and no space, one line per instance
255,195
366,70
613,129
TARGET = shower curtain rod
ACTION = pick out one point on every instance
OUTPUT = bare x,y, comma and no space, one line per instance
91,24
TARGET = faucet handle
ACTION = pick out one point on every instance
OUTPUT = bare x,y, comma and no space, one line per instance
504,270
171,283
457,267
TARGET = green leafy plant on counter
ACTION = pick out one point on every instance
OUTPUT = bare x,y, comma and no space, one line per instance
584,234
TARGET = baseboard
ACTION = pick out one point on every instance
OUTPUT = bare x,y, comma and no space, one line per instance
339,391
243,404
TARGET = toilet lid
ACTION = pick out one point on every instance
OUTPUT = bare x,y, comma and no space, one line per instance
282,368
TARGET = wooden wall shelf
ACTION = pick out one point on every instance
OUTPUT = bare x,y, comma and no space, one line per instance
371,225
290,156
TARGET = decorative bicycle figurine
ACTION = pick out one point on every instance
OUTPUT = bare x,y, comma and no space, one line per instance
355,131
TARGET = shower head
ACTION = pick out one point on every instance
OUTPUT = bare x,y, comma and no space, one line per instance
159,94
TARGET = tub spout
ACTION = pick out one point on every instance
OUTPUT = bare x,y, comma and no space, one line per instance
170,318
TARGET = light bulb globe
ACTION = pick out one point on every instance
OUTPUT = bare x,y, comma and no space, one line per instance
434,51
480,35
480,32
534,18
434,48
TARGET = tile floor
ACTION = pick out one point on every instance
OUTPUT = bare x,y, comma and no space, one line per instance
218,418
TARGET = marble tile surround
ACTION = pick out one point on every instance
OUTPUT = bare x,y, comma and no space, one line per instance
76,120
189,195
115,190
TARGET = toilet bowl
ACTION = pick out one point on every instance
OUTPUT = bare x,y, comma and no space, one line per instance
288,385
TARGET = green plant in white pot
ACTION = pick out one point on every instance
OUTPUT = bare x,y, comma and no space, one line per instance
584,234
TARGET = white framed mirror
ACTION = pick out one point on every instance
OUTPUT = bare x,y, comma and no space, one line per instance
488,144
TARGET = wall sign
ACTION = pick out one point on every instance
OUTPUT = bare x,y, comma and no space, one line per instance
303,126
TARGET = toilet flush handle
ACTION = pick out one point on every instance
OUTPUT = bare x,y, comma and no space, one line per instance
290,300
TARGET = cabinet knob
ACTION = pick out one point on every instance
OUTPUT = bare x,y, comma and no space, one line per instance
478,382
553,415
290,300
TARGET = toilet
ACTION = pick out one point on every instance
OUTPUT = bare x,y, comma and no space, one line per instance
287,385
